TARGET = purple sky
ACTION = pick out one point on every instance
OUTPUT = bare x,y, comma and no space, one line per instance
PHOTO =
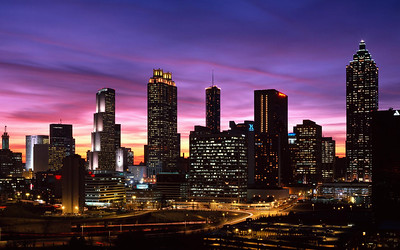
54,57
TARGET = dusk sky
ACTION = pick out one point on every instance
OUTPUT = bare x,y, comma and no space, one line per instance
55,56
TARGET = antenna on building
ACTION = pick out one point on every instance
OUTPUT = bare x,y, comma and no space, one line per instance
60,121
212,78
5,129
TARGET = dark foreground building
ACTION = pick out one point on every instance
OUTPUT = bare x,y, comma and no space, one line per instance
386,165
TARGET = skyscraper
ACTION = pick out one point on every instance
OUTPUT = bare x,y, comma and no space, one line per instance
31,140
218,165
270,126
61,136
62,144
213,110
328,159
102,155
5,139
308,167
10,162
163,141
361,101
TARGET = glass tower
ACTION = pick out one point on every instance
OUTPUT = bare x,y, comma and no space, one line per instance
102,155
271,143
162,138
213,110
308,167
62,144
361,102
31,140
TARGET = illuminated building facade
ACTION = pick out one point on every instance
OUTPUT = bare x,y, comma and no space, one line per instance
163,141
102,154
328,159
10,162
293,149
104,188
247,128
218,165
31,140
361,101
213,108
48,185
124,159
308,169
271,143
62,144
14,188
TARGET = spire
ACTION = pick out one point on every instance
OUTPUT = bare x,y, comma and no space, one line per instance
212,79
362,45
5,139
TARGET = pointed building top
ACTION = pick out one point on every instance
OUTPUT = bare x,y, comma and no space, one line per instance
212,79
362,45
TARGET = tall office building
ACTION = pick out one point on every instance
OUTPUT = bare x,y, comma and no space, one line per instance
271,143
31,140
62,144
213,109
308,167
218,165
102,154
5,139
163,141
10,162
247,129
361,101
328,159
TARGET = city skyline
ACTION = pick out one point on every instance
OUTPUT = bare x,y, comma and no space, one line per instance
301,49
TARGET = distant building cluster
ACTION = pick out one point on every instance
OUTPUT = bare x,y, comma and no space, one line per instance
247,163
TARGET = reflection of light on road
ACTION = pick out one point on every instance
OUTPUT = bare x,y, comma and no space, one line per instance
148,224
240,219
